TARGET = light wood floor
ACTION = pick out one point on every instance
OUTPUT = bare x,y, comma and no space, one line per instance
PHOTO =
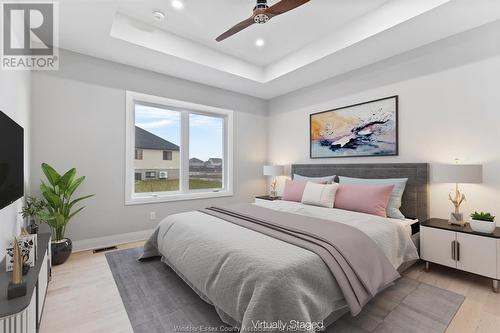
82,297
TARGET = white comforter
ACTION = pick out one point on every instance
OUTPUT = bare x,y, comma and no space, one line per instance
252,278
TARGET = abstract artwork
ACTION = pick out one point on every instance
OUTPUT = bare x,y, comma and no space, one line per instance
365,129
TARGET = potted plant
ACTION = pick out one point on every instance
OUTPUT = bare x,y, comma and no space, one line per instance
59,210
483,222
32,211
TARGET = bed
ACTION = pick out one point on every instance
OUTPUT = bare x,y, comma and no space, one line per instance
256,282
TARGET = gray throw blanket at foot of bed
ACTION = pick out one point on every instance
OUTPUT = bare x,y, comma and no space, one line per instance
359,266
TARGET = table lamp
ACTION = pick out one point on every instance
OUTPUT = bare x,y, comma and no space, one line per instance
457,174
274,171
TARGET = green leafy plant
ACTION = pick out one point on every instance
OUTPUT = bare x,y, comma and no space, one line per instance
33,208
482,216
58,194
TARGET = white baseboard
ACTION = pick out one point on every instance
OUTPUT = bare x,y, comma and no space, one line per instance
106,241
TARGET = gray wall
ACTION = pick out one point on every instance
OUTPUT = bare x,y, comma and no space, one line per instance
15,102
448,108
79,121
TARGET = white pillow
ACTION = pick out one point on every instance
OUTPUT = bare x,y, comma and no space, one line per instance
319,194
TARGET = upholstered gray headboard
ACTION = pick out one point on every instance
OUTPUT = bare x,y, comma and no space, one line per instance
415,199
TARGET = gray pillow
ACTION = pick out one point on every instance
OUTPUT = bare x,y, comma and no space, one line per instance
317,180
394,203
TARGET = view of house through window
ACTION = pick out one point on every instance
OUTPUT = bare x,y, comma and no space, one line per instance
158,150
157,135
206,151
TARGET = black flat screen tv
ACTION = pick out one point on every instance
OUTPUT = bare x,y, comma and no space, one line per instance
11,161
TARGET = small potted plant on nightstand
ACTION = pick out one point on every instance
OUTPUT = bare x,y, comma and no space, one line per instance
482,222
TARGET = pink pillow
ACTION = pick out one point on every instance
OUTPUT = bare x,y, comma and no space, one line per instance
293,190
369,199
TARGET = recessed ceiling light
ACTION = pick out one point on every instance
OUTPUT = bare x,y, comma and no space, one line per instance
259,42
158,15
177,4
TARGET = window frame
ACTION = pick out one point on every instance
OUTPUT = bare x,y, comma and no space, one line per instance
185,108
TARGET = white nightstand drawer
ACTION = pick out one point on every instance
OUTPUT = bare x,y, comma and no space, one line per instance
436,246
477,254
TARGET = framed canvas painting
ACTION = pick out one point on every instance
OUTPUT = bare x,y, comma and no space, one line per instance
365,129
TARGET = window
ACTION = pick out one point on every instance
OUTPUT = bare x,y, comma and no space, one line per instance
206,143
138,154
150,174
182,150
167,155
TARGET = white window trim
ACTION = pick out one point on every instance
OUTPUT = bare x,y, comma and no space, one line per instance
132,198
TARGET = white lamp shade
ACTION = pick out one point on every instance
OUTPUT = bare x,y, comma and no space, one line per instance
457,173
273,170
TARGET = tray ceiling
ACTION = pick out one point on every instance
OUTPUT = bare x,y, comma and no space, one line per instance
318,40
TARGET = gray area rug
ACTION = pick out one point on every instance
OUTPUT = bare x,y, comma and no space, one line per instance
157,300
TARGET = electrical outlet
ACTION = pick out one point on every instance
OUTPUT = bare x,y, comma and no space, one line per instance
152,215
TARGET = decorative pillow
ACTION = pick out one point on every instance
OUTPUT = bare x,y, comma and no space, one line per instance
293,190
364,198
317,180
319,194
394,204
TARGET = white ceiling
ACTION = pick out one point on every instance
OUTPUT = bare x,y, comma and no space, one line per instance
316,41
202,21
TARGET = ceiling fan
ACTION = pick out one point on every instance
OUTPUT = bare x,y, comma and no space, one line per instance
262,13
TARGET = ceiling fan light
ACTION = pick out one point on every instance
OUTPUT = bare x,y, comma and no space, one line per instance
261,18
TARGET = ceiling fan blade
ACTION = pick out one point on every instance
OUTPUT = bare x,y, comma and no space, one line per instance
237,28
284,6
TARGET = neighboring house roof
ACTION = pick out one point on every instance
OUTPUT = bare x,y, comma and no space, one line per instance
215,160
147,140
195,160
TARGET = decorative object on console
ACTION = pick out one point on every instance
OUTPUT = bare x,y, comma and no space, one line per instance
482,222
31,211
17,285
458,174
23,314
274,171
365,129
27,248
58,196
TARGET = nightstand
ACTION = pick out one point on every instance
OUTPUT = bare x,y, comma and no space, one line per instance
461,248
266,198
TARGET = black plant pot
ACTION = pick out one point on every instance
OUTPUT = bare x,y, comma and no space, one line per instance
33,227
61,251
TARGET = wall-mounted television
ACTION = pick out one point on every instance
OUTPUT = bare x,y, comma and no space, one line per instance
11,161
